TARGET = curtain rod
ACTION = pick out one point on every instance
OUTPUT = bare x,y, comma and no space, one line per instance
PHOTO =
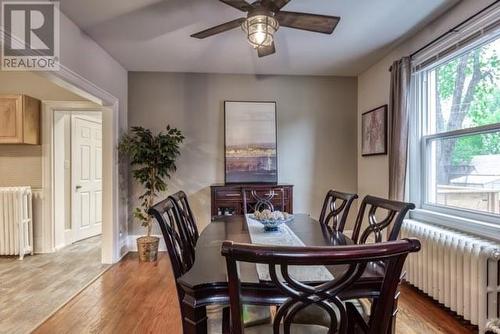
454,29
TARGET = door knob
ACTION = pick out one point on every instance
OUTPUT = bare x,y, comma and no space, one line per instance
78,187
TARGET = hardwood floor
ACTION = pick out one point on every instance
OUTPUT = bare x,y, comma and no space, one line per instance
133,297
32,289
419,314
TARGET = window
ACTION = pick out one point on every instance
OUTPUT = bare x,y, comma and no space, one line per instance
457,100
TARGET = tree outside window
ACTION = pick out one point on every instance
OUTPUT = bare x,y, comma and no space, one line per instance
464,93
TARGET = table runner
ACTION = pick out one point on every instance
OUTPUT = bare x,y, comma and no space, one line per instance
284,237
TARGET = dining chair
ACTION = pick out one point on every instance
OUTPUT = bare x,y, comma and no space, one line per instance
392,213
174,235
254,201
336,208
182,256
187,218
343,316
383,219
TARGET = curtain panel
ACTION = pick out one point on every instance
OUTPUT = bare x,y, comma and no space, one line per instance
399,115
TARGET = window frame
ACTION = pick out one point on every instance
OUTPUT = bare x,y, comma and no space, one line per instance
480,223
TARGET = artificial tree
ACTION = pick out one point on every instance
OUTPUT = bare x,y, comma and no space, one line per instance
152,159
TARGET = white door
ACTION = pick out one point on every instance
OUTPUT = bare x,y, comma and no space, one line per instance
86,170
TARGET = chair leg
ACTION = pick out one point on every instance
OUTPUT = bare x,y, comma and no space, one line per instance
373,306
226,320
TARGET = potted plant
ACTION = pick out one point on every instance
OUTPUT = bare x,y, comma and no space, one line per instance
152,158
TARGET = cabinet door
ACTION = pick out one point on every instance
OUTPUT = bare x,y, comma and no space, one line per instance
11,119
31,120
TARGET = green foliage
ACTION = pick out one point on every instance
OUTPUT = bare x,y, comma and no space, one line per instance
446,77
483,108
152,158
468,147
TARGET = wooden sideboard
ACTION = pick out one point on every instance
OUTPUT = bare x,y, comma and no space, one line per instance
227,199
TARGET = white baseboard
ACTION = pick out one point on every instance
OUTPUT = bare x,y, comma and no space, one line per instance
68,236
132,243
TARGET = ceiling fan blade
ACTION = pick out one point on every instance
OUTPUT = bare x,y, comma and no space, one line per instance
275,5
310,22
238,4
266,50
218,29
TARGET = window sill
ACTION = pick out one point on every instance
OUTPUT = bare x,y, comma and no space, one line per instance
479,228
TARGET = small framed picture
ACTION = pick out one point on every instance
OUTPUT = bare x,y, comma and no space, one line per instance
374,132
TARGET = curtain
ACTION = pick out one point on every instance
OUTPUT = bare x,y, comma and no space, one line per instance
399,115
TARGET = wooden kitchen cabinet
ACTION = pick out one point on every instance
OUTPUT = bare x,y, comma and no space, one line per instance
19,119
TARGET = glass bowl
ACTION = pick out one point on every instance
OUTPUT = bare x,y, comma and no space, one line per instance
271,225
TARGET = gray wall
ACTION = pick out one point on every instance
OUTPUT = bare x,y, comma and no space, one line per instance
316,130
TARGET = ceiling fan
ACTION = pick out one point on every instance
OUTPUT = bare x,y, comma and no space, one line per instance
264,18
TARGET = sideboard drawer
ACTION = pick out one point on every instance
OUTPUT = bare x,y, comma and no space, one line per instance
228,195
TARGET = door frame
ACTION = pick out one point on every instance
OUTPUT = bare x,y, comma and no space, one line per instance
110,244
87,117
113,248
62,235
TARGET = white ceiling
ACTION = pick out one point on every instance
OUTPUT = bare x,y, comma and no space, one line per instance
153,35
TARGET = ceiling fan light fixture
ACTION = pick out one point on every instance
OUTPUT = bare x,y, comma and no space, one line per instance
260,29
264,18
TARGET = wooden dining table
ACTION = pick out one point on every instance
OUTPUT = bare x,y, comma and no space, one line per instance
206,282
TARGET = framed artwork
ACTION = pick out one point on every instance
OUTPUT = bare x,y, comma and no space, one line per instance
374,132
250,142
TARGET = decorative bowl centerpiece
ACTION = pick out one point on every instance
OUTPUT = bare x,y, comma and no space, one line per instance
271,219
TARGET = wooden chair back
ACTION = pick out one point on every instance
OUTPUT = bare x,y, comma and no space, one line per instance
395,213
326,295
253,201
336,208
186,215
175,236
